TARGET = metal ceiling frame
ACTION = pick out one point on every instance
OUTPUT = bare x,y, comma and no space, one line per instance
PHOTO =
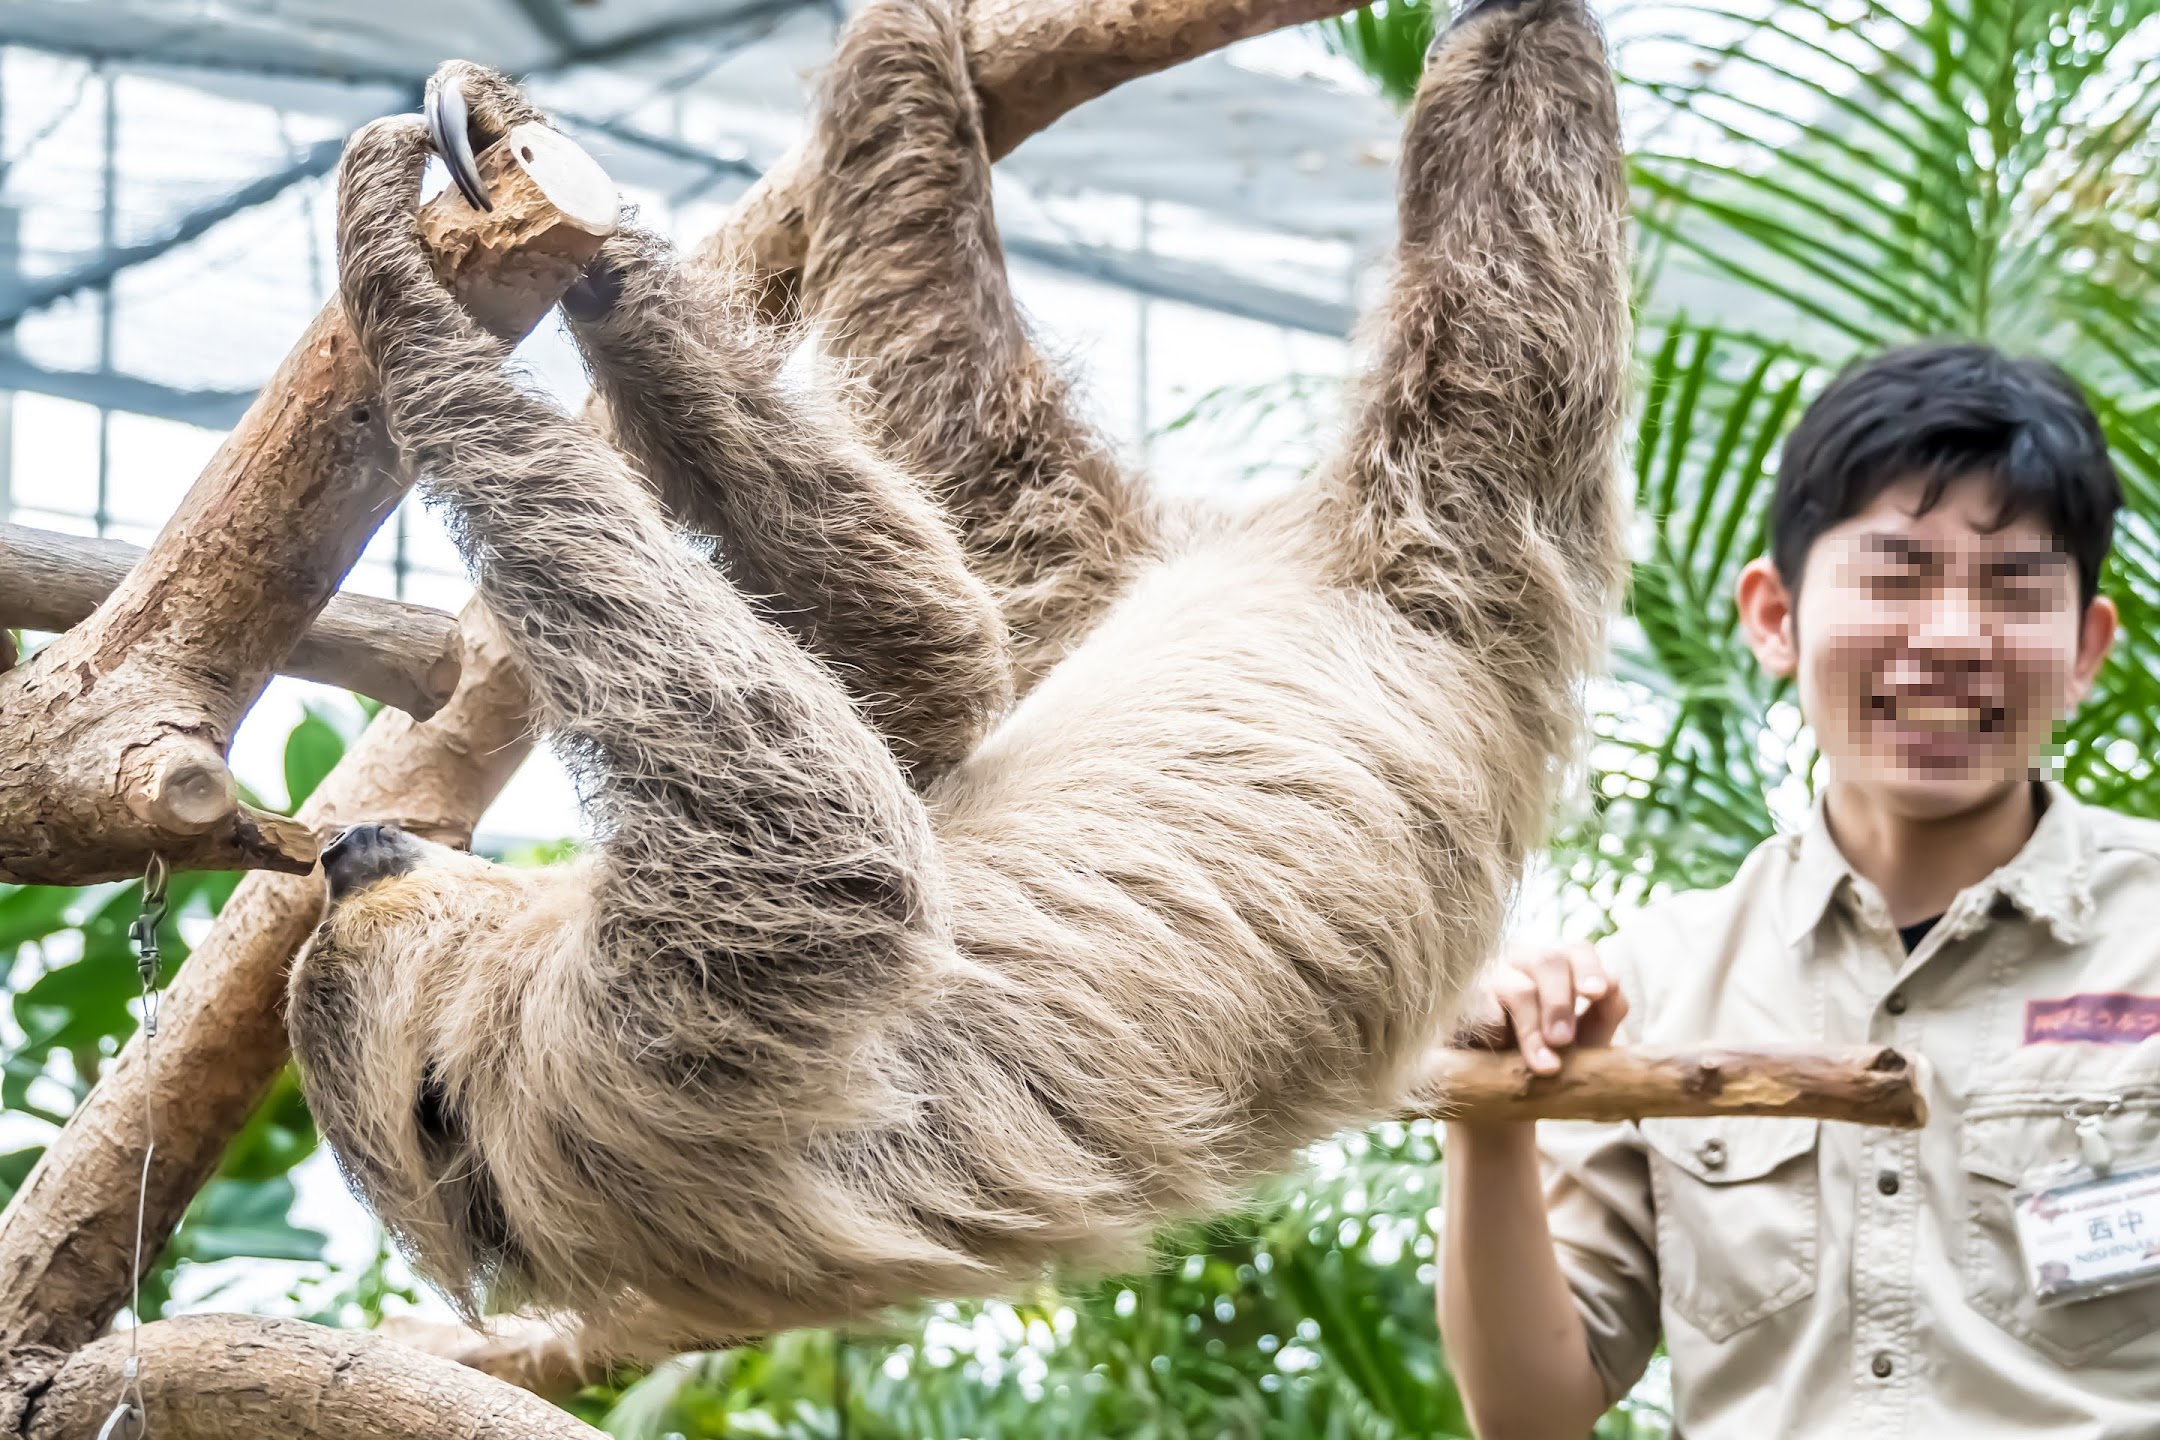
1136,272
212,409
101,269
168,49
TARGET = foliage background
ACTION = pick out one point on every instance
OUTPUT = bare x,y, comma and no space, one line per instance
1820,181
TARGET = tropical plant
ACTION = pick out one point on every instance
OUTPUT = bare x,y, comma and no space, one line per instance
1818,184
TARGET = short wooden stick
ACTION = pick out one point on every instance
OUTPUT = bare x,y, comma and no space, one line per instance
1862,1085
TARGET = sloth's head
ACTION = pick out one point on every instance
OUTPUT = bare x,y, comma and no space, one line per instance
389,888
399,994
383,879
364,855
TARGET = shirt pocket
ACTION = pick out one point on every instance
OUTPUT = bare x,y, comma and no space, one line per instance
1738,1203
2004,1145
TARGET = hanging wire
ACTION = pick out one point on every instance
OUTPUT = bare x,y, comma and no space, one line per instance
130,1418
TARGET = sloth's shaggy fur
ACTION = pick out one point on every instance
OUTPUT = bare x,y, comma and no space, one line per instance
881,984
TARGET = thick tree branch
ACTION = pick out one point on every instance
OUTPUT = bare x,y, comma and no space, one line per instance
1863,1085
66,1239
238,1377
403,655
112,738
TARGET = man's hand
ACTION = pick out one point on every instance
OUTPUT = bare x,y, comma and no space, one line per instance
1543,998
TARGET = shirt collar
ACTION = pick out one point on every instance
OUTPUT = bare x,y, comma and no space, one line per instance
2049,879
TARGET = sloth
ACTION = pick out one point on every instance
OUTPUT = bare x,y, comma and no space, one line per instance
989,864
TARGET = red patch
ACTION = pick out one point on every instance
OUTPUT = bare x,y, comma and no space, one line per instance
2111,1019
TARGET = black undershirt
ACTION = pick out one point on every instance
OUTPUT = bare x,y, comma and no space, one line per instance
1913,934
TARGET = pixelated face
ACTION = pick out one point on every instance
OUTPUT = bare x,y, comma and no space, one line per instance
1934,653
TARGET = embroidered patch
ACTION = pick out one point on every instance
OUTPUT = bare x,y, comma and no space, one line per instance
2108,1019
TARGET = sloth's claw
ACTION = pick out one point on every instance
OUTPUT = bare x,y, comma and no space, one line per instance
447,121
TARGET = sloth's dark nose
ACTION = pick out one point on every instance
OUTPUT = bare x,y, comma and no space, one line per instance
364,854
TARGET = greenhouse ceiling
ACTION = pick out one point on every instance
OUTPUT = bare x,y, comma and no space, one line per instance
171,155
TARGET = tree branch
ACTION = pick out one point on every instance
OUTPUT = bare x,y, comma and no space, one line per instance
403,655
1862,1085
239,1377
113,737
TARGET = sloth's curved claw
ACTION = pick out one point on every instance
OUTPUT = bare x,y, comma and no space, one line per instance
448,117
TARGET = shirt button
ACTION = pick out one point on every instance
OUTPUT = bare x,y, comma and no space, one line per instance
1896,1003
1881,1365
1712,1154
1887,1182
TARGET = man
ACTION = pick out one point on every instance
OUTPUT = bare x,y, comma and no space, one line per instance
1938,526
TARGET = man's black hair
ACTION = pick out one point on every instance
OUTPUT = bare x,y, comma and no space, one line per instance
1945,411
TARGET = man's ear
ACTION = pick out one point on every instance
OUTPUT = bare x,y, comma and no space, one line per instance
2096,633
1766,615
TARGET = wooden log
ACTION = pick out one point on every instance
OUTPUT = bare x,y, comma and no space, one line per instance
112,738
1861,1085
66,1239
403,655
1032,62
242,1377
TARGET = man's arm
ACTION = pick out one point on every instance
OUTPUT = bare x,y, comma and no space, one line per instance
1514,1340
1513,1326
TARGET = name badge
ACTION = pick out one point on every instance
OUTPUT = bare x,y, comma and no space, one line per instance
2086,1236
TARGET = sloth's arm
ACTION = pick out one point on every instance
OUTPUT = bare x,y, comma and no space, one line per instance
906,282
763,863
1477,483
840,546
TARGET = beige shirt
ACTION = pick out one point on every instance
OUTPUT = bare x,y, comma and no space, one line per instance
1819,1279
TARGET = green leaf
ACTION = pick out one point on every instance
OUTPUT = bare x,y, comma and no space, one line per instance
15,1168
312,750
1387,40
242,1219
278,1136
32,912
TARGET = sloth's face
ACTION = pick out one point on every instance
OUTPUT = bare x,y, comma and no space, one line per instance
364,855
389,888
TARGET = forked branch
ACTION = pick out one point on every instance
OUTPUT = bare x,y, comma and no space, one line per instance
113,737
